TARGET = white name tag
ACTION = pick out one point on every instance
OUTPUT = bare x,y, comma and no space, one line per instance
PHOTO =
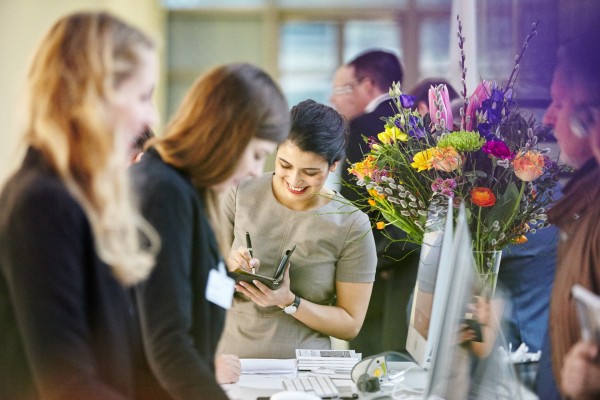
220,287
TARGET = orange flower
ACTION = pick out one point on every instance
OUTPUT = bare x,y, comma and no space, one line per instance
483,197
380,225
446,159
521,239
528,166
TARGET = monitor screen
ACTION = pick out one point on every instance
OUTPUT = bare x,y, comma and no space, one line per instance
432,278
450,363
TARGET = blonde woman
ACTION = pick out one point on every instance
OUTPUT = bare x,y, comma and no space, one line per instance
230,120
69,235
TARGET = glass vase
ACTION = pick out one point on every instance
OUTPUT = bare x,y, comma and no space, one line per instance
488,264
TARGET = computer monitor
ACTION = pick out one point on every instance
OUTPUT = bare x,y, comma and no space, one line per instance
432,283
449,374
457,371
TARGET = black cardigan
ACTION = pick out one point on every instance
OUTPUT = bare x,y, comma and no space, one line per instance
69,329
180,327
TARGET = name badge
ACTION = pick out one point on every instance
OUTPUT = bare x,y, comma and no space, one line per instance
220,287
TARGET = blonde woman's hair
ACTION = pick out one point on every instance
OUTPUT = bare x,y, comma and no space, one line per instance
224,109
76,68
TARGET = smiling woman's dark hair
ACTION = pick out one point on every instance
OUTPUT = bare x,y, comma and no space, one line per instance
319,129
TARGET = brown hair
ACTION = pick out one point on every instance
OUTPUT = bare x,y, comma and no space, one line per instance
224,109
75,70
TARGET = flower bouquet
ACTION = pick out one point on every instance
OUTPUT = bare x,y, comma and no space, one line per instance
490,159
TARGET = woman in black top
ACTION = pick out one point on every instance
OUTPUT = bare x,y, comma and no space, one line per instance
230,120
69,235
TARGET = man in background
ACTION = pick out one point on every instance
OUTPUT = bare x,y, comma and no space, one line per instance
575,92
361,93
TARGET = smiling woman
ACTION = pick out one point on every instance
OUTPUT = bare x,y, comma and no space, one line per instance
326,288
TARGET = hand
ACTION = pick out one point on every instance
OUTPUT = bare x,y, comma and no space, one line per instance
262,296
466,335
482,310
580,374
240,258
227,368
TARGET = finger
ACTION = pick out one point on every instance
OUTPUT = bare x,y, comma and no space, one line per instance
252,292
261,287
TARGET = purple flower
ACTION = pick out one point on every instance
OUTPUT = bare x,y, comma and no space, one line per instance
498,149
485,130
378,174
415,127
444,186
407,101
371,140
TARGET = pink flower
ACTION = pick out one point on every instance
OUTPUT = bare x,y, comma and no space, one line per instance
498,149
439,106
444,186
481,93
528,166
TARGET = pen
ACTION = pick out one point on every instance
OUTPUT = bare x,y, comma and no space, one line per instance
249,246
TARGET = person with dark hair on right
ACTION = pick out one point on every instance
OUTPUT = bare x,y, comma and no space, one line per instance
361,93
573,115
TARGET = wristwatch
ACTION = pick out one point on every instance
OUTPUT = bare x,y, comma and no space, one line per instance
292,308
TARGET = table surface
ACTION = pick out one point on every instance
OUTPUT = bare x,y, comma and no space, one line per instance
252,386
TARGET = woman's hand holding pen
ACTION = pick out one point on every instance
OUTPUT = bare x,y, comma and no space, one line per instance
262,296
241,258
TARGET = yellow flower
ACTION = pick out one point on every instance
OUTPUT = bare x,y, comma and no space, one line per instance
422,160
376,195
372,202
446,159
391,135
380,225
363,168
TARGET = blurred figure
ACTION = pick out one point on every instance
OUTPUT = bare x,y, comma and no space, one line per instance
69,234
361,93
231,119
526,274
575,88
137,147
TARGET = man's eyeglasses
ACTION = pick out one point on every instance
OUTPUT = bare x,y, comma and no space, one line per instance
582,120
347,88
344,89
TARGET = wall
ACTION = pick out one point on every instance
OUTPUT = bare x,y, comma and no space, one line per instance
22,24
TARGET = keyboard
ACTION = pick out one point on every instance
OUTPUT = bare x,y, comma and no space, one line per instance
322,386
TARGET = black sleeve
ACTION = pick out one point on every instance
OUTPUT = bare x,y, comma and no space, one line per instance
165,299
44,268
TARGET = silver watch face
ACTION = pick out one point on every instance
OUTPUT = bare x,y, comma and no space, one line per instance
290,309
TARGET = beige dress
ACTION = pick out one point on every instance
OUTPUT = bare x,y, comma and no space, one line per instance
333,243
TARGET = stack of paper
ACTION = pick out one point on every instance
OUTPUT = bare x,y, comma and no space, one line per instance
328,362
